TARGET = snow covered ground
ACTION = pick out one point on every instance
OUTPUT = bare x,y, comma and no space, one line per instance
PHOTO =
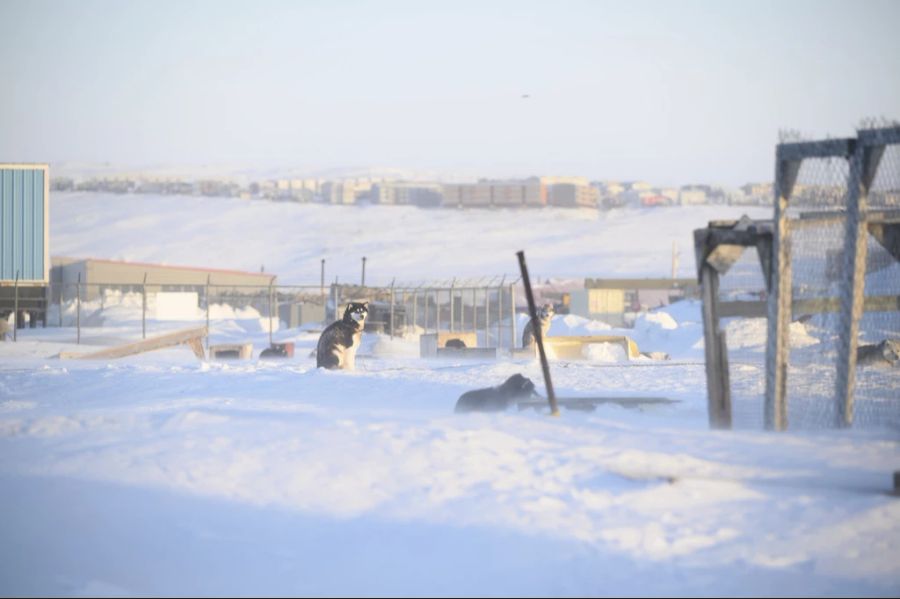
159,474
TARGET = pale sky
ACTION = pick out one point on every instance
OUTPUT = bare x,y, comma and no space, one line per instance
670,92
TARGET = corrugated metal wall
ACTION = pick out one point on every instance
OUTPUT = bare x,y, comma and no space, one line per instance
22,224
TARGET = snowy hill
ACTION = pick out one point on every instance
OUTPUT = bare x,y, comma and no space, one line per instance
408,243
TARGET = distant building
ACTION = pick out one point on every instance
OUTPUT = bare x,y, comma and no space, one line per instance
689,196
570,192
613,300
97,274
424,195
346,191
496,193
655,199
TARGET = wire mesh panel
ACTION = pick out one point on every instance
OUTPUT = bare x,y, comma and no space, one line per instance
877,393
816,224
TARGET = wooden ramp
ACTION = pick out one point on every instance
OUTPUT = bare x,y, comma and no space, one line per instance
589,404
191,337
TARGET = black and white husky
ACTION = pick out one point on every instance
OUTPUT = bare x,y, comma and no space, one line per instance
339,341
544,316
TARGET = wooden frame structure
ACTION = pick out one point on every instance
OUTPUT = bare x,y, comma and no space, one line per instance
719,246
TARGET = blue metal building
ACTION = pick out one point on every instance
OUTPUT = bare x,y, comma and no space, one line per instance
24,239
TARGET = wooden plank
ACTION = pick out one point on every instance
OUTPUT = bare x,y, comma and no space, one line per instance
819,305
590,283
717,391
185,336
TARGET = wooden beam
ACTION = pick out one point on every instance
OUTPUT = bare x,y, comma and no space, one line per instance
819,305
191,337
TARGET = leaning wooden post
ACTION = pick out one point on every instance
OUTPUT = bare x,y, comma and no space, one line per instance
538,335
144,308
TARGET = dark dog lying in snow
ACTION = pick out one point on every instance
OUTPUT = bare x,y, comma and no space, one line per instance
496,399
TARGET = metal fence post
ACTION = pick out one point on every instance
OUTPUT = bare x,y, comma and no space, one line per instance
392,310
271,307
78,310
500,316
207,312
487,316
512,315
62,291
144,307
452,301
437,310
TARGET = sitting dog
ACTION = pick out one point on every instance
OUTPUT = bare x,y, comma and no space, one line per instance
336,349
496,399
544,316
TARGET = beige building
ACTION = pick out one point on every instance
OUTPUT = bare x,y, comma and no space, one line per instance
99,274
496,193
570,192
609,300
346,191
688,197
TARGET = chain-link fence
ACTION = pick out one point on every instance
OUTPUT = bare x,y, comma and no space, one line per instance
487,311
877,391
814,240
102,313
